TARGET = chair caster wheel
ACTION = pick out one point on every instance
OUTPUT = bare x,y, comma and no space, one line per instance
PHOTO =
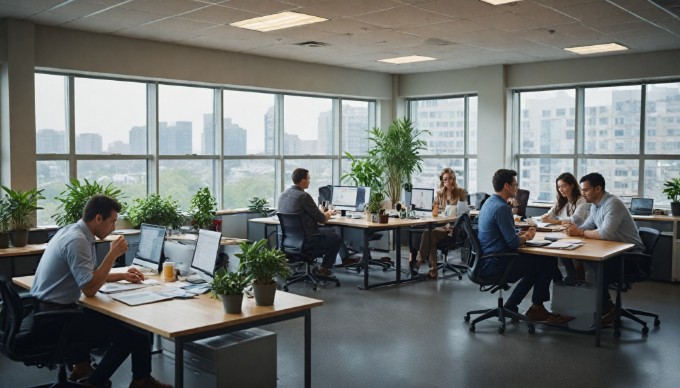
645,330
532,329
314,288
501,329
466,318
285,288
472,329
460,277
657,323
358,269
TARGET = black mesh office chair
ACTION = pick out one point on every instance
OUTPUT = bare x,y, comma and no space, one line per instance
492,284
477,199
522,199
325,194
450,244
17,339
638,268
296,244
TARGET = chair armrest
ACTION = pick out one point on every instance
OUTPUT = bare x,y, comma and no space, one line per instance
28,301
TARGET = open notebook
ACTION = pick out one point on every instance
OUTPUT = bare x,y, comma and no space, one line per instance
137,298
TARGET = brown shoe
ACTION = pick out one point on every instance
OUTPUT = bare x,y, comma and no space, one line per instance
321,271
81,371
608,315
541,315
149,382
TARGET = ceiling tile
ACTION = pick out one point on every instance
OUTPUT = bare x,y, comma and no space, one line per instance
346,8
261,7
463,9
402,17
126,16
219,14
164,7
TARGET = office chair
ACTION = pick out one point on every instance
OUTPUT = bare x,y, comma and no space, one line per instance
477,199
295,243
18,342
638,268
522,198
492,284
450,244
325,194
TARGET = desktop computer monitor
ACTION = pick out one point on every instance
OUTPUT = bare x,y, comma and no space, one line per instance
150,250
205,255
422,199
345,197
641,206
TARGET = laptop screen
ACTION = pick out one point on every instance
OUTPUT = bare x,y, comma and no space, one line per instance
205,255
421,199
150,247
641,206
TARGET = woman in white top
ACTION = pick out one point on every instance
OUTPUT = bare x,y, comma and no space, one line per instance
449,194
570,206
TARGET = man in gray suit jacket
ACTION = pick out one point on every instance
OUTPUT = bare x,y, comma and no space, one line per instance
296,200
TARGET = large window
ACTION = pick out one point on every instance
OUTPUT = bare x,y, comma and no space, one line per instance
628,133
154,137
451,139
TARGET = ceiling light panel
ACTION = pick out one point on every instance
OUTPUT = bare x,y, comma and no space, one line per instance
499,2
278,21
408,59
597,48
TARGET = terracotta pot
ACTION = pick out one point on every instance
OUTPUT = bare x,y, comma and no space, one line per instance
384,218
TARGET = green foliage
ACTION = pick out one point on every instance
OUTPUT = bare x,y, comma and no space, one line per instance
261,263
73,199
21,205
259,205
155,210
5,214
365,172
672,189
373,205
202,210
228,283
398,153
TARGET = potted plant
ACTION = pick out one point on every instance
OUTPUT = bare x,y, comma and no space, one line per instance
262,264
202,210
73,199
154,209
22,203
672,190
364,172
398,152
228,287
260,205
374,206
5,214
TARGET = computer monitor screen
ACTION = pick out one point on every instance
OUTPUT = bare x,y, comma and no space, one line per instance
345,197
421,199
641,206
205,255
150,247
363,195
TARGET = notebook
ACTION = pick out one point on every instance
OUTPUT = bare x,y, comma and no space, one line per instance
138,298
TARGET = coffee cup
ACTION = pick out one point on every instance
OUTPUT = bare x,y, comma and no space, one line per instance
169,271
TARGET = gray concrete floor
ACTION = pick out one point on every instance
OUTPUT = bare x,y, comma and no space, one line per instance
414,335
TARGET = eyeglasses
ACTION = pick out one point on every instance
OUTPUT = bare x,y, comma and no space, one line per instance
449,178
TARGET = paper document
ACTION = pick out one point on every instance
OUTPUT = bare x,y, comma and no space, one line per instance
121,286
137,298
564,245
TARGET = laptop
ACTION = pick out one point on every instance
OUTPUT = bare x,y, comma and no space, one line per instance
641,206
149,255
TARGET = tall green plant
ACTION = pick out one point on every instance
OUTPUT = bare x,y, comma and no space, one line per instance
672,189
73,199
398,152
365,172
22,204
261,263
259,205
202,210
157,210
5,214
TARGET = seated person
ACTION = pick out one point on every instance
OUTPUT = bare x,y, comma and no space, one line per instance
609,219
69,267
498,240
448,194
296,200
569,206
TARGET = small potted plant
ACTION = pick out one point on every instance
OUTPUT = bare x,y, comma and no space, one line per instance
5,214
73,199
156,210
22,203
228,287
260,205
202,210
262,265
672,190
374,206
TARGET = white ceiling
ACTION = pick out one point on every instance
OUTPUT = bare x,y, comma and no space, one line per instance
459,33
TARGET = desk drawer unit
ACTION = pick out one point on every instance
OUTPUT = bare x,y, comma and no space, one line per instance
228,360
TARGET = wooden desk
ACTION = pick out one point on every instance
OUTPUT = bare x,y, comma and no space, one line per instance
597,251
202,317
224,241
368,227
12,254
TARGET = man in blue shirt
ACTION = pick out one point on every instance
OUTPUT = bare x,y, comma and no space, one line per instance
609,219
67,268
499,242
